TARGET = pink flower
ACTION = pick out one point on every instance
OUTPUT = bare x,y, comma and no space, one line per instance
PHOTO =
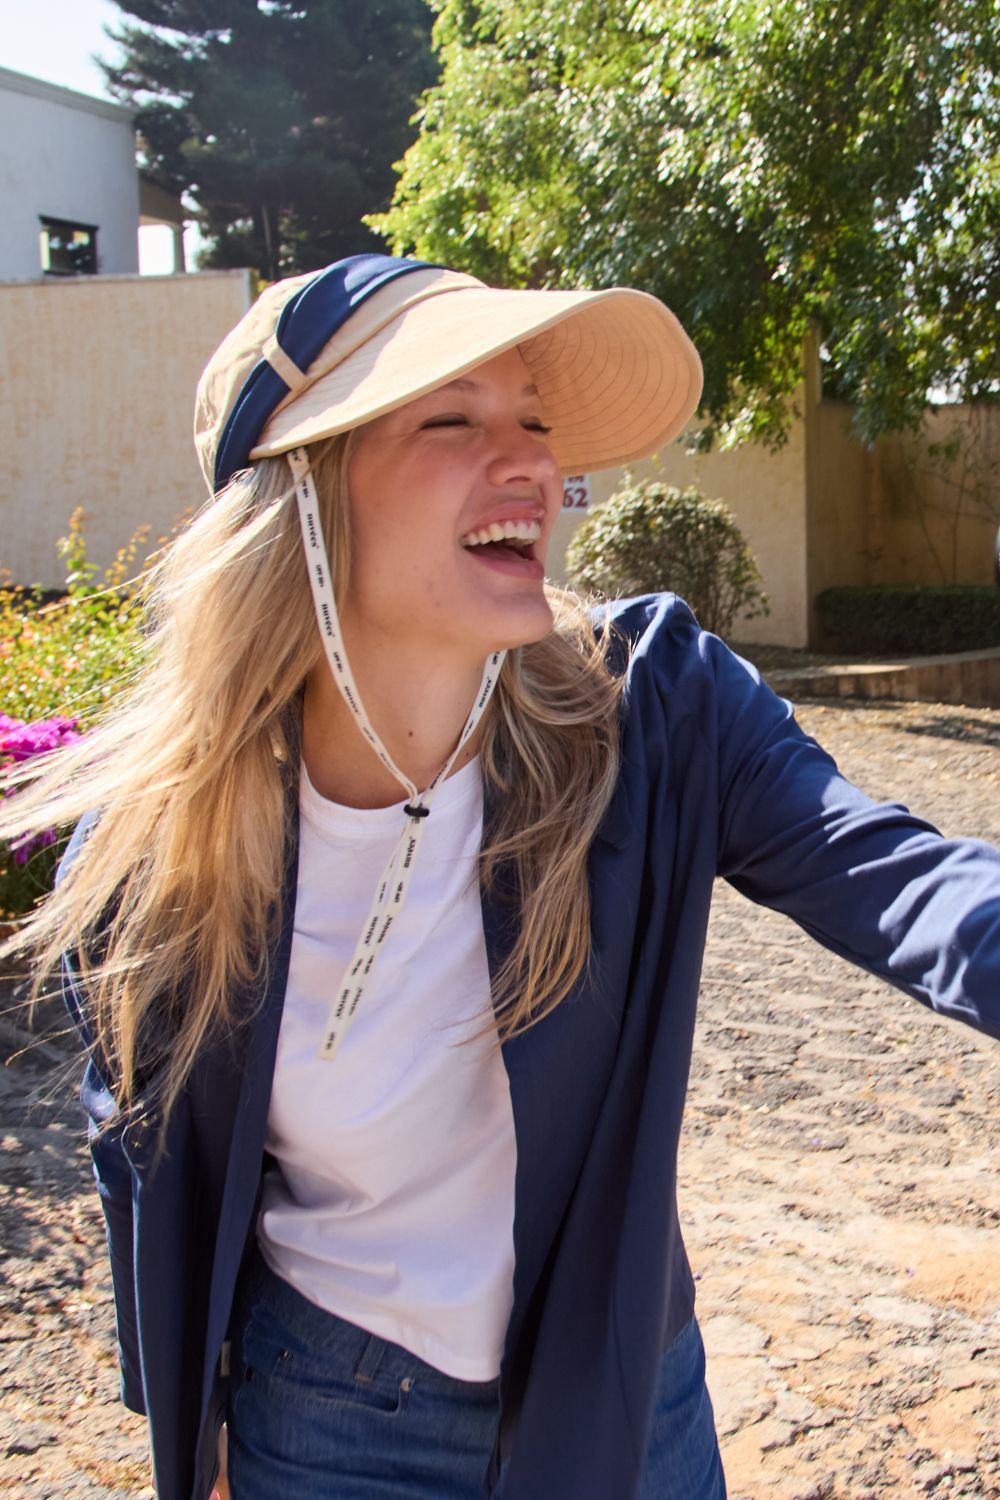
20,741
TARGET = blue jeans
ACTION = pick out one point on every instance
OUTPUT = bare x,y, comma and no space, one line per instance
321,1410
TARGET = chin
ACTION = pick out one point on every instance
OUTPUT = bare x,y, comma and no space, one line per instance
530,625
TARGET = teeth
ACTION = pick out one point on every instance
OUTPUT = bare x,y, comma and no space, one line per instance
501,531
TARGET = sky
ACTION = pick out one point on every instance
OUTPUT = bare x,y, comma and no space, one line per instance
55,40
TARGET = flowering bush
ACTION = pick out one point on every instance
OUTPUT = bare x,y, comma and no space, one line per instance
60,663
20,741
23,878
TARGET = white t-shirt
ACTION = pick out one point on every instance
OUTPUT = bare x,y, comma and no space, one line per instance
394,1203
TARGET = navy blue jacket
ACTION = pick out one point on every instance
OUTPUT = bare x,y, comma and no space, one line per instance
716,779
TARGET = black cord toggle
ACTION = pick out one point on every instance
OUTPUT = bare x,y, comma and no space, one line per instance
416,812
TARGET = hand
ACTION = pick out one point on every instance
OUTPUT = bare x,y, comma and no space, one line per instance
221,1490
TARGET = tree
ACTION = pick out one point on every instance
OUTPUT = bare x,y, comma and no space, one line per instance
764,166
280,119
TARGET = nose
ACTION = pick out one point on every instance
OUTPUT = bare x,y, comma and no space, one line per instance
521,456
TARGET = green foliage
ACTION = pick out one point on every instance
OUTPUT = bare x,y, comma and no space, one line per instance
281,121
60,663
71,656
22,886
764,168
909,619
649,537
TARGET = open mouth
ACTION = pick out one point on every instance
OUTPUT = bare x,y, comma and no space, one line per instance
511,539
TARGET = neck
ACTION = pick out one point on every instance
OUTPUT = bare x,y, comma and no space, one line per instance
417,711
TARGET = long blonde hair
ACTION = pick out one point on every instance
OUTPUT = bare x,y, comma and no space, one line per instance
172,903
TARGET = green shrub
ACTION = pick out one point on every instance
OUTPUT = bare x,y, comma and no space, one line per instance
60,662
649,537
71,655
909,619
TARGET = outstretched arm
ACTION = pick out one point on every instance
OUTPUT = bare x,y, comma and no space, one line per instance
870,881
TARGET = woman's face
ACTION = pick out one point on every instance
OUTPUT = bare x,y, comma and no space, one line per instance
452,502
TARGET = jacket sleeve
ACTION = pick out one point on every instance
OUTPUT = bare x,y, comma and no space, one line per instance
114,1177
870,881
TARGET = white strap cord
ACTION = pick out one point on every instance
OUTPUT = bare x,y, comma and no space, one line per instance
394,882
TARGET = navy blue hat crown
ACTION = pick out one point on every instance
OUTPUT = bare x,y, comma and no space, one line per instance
308,320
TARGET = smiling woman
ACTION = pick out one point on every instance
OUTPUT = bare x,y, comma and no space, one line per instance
385,935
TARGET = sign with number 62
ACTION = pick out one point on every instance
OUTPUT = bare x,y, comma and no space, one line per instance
576,492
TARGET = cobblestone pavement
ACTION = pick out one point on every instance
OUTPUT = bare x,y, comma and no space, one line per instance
839,1184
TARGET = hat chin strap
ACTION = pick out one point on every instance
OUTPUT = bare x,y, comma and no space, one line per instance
394,882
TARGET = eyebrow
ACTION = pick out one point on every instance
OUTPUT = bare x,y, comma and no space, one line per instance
463,383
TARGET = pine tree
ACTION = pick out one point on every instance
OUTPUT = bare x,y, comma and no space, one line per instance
281,119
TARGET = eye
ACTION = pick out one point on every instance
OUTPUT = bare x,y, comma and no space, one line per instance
535,424
446,419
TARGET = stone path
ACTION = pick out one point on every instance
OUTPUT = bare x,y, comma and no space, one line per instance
840,1188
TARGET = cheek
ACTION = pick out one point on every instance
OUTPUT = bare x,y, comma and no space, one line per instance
396,567
403,534
378,536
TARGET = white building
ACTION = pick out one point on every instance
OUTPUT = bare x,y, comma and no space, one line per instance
69,188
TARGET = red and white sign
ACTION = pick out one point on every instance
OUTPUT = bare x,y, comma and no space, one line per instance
576,492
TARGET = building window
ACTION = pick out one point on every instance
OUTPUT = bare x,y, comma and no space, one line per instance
68,249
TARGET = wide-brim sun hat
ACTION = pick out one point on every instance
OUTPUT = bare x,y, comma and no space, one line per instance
316,355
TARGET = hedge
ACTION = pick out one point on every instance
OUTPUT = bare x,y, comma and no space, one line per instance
909,619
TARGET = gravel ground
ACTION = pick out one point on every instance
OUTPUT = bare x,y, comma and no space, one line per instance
839,1184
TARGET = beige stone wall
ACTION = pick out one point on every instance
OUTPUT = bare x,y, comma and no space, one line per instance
97,381
896,513
941,514
844,539
766,493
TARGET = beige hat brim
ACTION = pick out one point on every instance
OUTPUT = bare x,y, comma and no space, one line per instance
617,375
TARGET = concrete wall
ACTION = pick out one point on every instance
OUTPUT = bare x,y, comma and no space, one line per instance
941,511
898,512
845,540
767,494
64,155
96,400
